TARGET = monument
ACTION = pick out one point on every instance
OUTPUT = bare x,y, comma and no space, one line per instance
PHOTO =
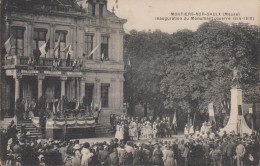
236,122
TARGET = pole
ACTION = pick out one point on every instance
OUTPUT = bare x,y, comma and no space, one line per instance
189,122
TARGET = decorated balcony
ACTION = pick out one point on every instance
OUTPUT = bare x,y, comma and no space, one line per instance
24,62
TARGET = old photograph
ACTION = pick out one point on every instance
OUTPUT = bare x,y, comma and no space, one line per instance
130,83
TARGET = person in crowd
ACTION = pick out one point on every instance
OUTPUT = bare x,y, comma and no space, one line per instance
240,153
120,131
103,155
195,151
168,158
77,155
157,156
113,158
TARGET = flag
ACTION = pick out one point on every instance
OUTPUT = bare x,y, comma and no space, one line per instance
58,106
211,109
8,44
129,62
68,51
45,48
77,106
57,49
53,107
93,50
92,105
174,121
47,106
100,105
211,112
102,56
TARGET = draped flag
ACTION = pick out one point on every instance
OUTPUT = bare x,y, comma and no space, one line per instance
100,105
45,48
102,56
68,51
92,106
53,108
174,121
129,62
47,106
77,106
93,50
211,112
57,49
8,44
58,106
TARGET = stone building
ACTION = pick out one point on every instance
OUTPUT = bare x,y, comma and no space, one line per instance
85,26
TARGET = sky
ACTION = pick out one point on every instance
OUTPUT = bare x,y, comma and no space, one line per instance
141,14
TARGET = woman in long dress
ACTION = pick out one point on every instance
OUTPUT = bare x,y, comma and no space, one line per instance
169,157
85,155
132,130
120,131
77,156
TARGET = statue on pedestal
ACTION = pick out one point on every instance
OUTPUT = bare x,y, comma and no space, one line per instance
236,80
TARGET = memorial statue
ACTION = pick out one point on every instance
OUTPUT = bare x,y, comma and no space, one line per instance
236,80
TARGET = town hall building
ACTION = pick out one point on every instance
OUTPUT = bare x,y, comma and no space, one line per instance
94,36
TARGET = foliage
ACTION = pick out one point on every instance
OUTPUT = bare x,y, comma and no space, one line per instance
199,65
145,51
188,70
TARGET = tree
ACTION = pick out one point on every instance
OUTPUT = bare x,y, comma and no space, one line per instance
145,50
198,66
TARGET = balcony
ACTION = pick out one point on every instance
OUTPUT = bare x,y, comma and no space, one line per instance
22,62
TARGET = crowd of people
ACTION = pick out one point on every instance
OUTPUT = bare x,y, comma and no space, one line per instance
229,149
127,128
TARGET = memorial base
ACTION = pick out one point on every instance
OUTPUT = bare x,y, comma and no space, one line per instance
236,122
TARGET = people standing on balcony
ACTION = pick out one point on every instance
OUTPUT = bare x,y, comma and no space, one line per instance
31,61
36,55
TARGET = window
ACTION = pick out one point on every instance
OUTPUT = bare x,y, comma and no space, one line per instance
62,35
101,7
39,38
89,93
104,95
88,45
18,40
104,47
93,9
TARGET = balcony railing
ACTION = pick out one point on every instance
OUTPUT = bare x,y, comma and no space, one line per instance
47,64
24,61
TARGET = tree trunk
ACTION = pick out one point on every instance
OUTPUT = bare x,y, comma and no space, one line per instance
145,109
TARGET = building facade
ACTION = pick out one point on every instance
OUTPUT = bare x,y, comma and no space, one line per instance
84,26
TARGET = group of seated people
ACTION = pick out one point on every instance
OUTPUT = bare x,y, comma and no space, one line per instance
229,149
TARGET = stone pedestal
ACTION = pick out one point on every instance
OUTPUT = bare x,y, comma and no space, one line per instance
236,123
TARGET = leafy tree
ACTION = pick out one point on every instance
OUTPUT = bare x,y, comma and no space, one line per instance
145,50
198,66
